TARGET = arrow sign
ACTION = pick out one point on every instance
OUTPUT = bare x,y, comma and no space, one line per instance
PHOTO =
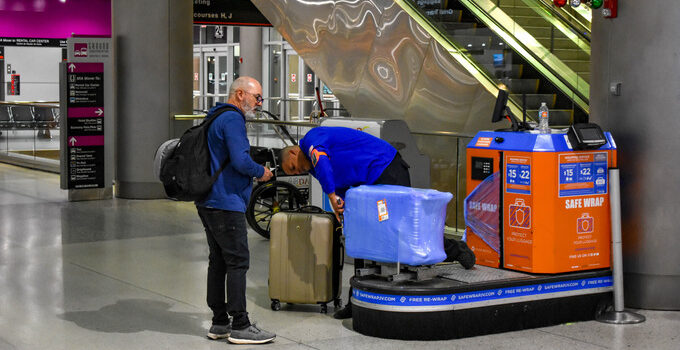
72,67
72,141
99,112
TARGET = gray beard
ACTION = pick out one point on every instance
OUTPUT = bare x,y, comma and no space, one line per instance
250,114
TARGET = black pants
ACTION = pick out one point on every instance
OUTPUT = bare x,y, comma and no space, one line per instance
229,260
396,173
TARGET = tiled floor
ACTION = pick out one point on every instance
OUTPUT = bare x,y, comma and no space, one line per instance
126,274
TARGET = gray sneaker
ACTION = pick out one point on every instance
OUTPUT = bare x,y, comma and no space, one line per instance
219,331
250,335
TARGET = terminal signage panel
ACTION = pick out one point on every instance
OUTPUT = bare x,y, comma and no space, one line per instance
85,125
228,12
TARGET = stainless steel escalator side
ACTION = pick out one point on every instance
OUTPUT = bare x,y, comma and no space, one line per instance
383,63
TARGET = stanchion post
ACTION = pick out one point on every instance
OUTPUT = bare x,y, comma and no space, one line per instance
618,315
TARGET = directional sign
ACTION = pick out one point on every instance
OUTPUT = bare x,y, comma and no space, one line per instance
85,124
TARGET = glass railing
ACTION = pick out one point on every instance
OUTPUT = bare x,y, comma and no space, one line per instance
523,46
29,134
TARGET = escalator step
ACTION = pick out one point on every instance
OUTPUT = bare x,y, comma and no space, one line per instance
520,86
531,21
571,54
518,10
557,43
534,100
504,3
538,32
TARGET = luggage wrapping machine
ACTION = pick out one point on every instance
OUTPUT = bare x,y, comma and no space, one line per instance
552,222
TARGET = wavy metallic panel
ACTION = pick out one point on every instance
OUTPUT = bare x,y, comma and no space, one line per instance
381,63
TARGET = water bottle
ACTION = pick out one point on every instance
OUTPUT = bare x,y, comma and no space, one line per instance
543,117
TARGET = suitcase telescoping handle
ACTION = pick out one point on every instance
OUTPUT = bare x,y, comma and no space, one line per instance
311,209
341,249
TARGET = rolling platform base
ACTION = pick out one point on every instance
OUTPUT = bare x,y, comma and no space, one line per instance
475,302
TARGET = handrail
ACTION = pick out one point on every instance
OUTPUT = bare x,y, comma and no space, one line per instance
49,104
458,53
442,133
566,18
545,62
250,120
281,122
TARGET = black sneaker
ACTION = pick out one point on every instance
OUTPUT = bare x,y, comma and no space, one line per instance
466,257
250,335
344,313
218,331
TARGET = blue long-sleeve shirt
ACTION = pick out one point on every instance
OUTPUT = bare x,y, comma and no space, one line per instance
227,140
345,157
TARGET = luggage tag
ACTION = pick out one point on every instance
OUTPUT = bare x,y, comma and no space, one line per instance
382,211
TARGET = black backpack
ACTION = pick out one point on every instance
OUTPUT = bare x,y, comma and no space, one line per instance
183,165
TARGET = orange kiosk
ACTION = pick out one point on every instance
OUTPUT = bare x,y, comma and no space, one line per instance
552,204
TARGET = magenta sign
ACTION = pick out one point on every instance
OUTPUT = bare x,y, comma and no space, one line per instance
54,19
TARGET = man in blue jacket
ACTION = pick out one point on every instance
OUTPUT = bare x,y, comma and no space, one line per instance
341,158
222,214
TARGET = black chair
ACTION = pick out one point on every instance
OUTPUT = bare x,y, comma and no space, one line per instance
55,114
23,117
44,118
5,117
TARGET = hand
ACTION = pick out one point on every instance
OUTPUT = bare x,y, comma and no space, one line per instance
266,176
338,205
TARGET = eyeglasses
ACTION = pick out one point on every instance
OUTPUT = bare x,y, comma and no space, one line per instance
258,97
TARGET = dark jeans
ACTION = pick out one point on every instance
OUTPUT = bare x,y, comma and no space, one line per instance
229,260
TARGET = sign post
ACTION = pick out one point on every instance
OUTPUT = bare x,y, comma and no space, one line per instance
86,107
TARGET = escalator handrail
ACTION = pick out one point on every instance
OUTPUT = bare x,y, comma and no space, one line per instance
583,32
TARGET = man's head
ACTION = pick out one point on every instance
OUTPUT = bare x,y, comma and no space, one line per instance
294,161
246,94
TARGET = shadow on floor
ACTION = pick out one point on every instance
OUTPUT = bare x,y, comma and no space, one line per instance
137,315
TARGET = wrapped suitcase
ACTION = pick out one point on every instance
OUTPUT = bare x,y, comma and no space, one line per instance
395,224
305,258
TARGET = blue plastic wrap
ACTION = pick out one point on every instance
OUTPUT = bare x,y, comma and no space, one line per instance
481,211
392,224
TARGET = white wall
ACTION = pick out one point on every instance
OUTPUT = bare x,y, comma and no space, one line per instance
39,71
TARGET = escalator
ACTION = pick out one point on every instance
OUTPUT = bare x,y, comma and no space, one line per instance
539,52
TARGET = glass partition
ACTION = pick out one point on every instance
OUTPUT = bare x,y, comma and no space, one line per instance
29,134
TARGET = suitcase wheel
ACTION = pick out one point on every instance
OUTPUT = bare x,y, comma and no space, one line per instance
324,309
276,305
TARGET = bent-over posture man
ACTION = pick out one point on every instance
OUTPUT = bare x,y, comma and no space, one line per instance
341,158
222,214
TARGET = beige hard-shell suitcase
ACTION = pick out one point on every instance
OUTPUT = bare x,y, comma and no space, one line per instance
305,259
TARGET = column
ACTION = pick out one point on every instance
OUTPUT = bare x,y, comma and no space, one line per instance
153,45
